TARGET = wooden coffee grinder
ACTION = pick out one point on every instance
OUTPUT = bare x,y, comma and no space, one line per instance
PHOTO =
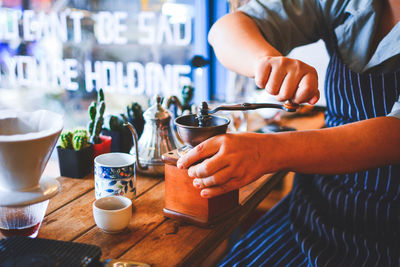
182,200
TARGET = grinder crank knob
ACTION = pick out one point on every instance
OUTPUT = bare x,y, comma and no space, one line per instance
290,106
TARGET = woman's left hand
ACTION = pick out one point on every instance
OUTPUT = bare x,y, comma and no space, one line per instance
229,161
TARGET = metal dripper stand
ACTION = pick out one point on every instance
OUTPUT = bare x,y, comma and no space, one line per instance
182,200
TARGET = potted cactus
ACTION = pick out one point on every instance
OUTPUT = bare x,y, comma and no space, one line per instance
182,107
121,138
101,143
134,114
75,153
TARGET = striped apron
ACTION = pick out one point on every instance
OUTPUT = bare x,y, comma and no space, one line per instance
337,220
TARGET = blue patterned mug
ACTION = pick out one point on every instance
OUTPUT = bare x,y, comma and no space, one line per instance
114,174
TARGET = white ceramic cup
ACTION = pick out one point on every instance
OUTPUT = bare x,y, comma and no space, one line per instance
113,213
115,174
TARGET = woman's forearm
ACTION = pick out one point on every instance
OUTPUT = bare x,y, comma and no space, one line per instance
344,149
239,47
230,161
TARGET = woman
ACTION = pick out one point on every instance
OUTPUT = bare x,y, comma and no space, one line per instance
345,204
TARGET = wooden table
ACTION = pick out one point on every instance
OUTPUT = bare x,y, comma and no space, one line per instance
150,238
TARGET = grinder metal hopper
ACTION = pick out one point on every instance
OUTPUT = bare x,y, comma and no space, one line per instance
192,134
194,129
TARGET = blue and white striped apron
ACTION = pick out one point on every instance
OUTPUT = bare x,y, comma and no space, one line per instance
337,220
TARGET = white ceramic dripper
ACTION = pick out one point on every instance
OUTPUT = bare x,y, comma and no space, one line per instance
27,140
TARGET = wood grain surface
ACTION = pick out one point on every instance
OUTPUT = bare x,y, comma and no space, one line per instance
75,218
75,187
147,215
150,237
178,244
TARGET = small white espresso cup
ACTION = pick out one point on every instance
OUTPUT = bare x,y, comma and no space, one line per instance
113,213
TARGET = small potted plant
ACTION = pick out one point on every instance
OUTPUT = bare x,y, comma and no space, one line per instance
75,153
101,143
182,107
134,114
121,137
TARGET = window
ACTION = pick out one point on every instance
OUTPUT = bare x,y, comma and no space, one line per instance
56,54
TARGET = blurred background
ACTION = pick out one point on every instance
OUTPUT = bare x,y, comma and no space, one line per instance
55,54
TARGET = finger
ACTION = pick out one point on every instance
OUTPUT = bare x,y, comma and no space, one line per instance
220,189
308,89
262,75
314,100
208,167
275,81
289,86
203,150
221,177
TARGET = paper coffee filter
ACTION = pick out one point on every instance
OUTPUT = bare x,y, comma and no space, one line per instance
19,125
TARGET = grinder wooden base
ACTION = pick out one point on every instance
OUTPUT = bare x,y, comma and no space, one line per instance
184,203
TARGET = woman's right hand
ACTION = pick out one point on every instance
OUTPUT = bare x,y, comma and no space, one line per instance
287,79
226,162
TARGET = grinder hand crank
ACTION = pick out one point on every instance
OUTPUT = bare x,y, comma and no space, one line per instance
203,115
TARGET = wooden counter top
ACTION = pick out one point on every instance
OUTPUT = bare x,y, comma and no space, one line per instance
151,238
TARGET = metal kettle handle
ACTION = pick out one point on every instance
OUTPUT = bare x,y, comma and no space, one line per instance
136,144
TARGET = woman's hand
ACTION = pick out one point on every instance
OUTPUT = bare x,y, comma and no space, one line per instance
230,161
288,79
